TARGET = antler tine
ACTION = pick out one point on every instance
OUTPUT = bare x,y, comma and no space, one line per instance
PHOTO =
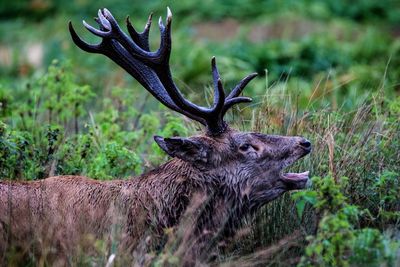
164,50
241,85
122,38
152,70
219,94
233,98
137,50
91,48
141,38
233,101
218,88
100,33
103,21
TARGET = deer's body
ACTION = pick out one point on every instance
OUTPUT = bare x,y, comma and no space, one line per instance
215,178
66,209
67,213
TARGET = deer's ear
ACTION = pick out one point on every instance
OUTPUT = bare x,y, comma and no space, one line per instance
183,148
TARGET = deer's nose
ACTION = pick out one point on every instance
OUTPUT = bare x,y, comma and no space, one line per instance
305,144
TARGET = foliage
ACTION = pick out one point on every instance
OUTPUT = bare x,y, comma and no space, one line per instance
339,241
101,148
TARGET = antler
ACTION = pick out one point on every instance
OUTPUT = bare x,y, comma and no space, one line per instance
152,70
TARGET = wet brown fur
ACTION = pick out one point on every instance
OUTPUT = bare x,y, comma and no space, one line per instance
63,215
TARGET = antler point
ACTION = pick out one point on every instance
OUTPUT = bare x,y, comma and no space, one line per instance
169,13
213,62
107,13
70,27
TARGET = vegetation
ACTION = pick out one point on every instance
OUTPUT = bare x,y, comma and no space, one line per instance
329,71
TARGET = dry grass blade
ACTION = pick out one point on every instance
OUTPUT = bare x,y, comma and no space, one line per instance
264,255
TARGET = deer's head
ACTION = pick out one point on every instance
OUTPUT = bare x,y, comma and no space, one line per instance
255,161
251,162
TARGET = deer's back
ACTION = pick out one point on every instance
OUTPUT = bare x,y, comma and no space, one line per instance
56,210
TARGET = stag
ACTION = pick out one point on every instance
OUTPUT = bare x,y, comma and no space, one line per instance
233,173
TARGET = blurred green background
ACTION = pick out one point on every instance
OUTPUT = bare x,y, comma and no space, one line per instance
340,47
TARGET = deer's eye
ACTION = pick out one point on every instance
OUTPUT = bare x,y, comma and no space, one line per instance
245,147
248,147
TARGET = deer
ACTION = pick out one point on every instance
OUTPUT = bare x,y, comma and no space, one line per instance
230,173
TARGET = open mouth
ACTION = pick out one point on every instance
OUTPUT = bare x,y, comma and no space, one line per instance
295,177
296,180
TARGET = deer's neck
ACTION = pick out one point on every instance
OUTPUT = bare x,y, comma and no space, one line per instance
166,191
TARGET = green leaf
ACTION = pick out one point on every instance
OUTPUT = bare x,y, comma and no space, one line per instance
300,207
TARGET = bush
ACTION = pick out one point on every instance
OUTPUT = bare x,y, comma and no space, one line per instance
339,241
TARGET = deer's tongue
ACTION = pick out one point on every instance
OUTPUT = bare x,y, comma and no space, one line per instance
296,180
296,176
